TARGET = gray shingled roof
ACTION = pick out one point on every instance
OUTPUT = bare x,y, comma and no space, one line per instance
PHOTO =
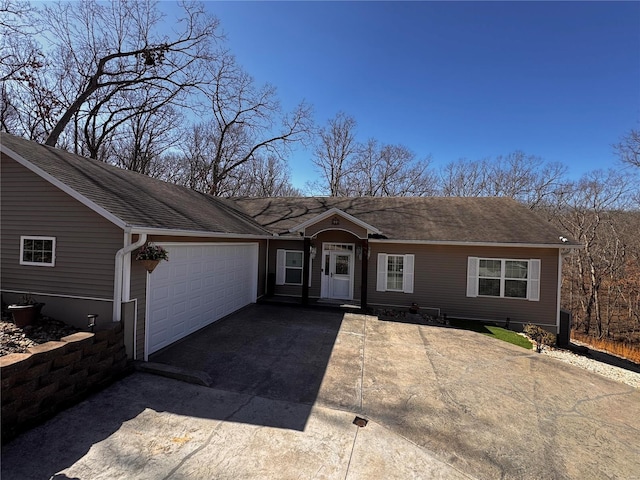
136,199
144,202
437,219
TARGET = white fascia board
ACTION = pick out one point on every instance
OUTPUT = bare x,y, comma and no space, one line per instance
65,188
335,211
475,244
195,233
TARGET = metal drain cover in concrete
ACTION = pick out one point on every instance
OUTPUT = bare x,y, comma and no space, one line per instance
361,422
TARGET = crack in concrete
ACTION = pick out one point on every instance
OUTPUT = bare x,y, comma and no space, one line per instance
240,407
353,447
207,442
191,454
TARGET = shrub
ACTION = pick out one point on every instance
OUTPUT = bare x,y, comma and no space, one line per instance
539,335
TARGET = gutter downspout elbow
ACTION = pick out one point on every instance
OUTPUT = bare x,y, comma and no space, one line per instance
117,281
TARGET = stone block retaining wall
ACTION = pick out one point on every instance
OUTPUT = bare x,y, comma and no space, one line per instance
56,375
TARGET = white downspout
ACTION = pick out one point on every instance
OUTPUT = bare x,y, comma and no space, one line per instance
118,280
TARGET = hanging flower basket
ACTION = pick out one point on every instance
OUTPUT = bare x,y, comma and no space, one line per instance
150,256
150,265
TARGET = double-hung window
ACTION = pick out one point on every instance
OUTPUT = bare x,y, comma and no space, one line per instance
395,267
38,251
289,267
395,273
505,278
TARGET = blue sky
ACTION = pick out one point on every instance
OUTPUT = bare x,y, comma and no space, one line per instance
560,80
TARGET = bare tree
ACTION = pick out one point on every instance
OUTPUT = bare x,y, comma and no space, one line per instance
192,164
586,213
263,177
256,176
110,50
334,152
526,178
30,107
20,55
21,62
388,171
463,178
145,139
116,84
246,122
628,149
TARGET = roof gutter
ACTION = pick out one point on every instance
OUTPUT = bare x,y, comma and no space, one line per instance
118,280
477,244
195,233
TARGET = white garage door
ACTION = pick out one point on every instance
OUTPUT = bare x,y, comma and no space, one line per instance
200,284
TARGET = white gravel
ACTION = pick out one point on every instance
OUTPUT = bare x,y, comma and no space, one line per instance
614,373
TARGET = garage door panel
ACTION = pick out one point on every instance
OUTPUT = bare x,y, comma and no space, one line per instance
178,327
195,285
199,285
195,267
160,293
181,272
179,288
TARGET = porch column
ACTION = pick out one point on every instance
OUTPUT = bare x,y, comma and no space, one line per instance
365,273
305,270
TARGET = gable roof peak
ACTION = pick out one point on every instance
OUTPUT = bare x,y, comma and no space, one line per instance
331,212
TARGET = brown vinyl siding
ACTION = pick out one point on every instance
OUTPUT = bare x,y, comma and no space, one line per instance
344,225
440,281
294,245
86,243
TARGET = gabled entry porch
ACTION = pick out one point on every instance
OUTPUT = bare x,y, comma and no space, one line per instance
327,263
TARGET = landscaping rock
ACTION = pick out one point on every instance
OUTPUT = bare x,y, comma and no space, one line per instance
14,339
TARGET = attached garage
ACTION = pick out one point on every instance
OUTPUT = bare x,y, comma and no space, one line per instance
201,283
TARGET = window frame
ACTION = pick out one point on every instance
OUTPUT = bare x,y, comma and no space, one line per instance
24,238
408,272
396,274
286,267
281,267
531,281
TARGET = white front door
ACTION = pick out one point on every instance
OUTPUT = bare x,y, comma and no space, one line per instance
337,271
340,273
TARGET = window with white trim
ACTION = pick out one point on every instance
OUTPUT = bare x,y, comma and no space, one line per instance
395,273
395,265
38,251
289,267
503,278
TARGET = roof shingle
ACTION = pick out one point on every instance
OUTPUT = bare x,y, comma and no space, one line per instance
144,202
431,219
137,200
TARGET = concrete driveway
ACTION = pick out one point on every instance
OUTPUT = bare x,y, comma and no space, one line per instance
286,384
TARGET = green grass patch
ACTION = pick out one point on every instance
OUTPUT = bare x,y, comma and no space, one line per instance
492,331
